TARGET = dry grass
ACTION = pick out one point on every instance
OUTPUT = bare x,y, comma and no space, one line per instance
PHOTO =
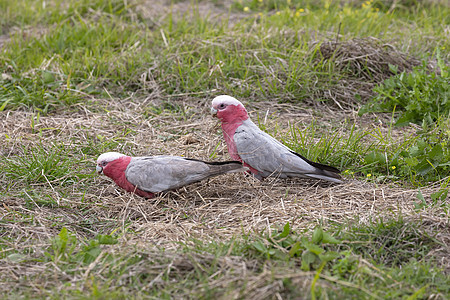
367,58
366,62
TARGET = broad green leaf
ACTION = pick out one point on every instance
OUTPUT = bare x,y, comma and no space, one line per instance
106,239
317,235
436,153
375,157
329,256
295,250
16,257
315,248
420,196
260,247
286,230
329,239
307,259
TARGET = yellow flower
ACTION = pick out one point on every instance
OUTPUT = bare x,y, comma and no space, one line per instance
393,167
260,0
278,13
301,10
246,9
369,175
297,14
260,14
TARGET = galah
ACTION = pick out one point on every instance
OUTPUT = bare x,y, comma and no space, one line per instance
148,175
261,153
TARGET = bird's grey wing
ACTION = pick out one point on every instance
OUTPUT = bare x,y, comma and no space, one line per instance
266,154
160,173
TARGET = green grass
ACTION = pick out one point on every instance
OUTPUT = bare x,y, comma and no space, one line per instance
421,96
96,45
24,13
361,265
39,165
56,165
418,158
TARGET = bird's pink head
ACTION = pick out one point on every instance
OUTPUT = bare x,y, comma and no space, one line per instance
114,165
104,159
228,109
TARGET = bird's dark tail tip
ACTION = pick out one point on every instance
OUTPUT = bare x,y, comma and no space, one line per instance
324,172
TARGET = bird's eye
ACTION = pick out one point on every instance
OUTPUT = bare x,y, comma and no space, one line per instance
104,163
222,105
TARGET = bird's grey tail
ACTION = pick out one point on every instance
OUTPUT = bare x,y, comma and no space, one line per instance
222,167
227,167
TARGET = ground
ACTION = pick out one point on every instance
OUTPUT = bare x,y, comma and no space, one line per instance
161,244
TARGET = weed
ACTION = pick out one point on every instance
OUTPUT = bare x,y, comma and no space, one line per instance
421,96
286,244
391,243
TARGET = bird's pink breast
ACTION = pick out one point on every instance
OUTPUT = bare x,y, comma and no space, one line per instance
229,129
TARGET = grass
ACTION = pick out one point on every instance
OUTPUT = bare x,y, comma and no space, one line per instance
81,78
190,55
104,270
418,157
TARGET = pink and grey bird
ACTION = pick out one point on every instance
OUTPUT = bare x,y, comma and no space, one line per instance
261,153
148,175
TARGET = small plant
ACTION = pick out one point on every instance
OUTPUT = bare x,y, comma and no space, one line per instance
390,242
422,96
286,244
437,199
422,162
65,247
420,158
42,91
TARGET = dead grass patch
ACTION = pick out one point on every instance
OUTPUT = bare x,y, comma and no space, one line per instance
367,59
366,62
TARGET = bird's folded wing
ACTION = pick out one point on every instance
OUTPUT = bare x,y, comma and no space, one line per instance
266,154
160,173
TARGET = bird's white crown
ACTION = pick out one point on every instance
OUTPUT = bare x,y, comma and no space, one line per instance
109,156
225,99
